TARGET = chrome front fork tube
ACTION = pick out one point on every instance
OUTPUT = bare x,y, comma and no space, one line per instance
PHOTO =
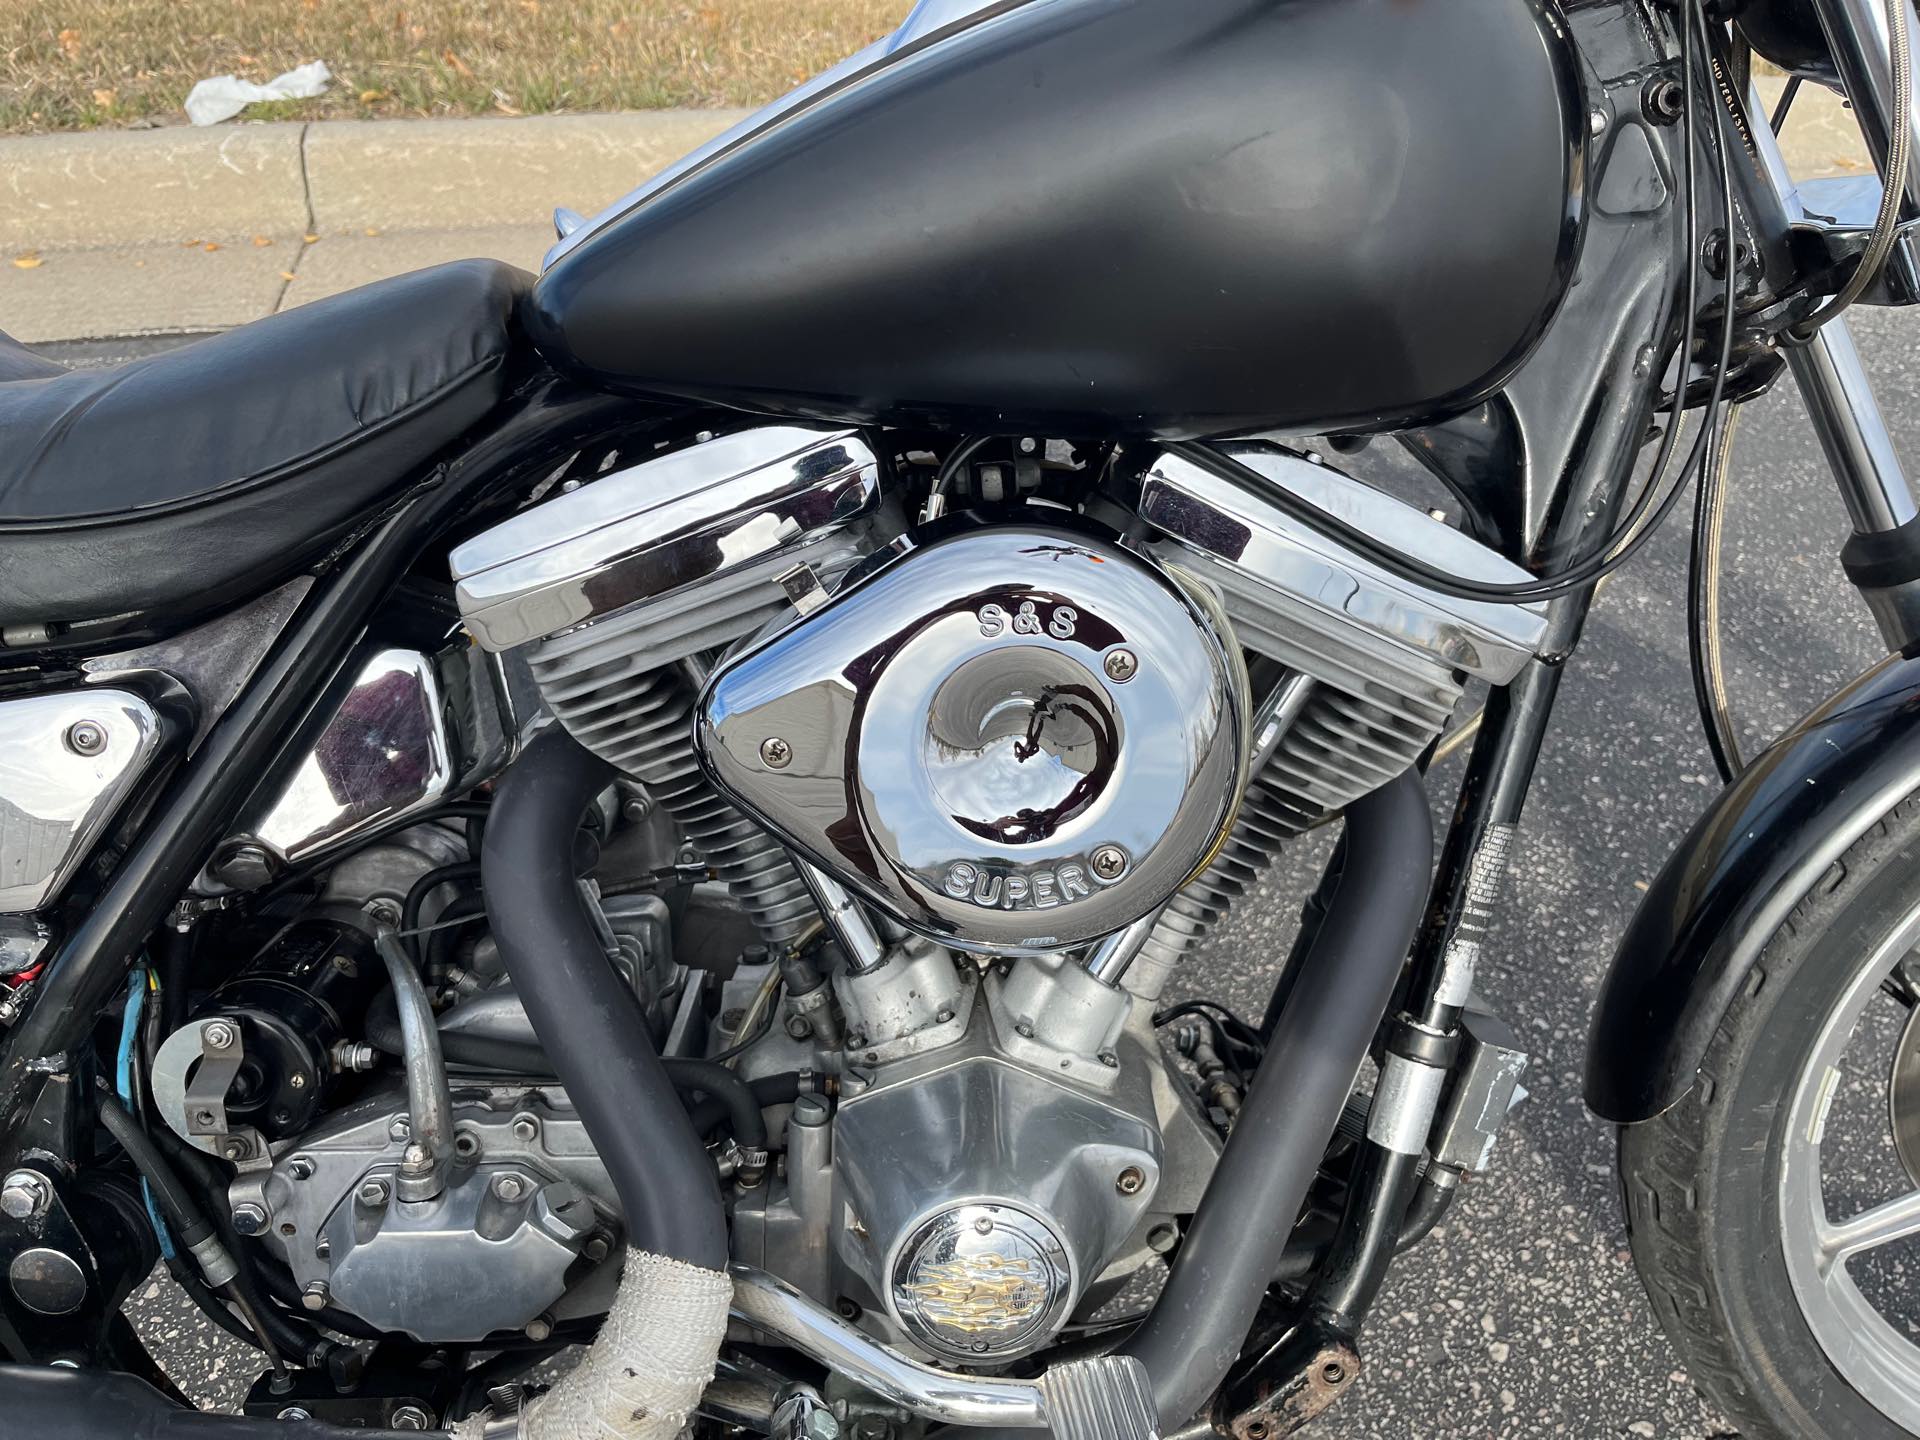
1882,558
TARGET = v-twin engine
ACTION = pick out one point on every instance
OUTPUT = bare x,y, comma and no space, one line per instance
1018,758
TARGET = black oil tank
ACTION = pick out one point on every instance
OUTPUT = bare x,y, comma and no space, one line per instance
1139,217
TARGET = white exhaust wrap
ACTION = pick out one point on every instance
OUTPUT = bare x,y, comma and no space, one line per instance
653,1360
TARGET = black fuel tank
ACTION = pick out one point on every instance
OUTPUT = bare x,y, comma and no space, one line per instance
1164,217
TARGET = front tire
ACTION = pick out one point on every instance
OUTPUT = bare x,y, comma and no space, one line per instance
1716,1189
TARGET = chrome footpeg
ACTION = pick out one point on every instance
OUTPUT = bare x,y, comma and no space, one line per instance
1105,1398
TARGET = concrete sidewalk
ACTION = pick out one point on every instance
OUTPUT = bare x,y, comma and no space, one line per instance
178,230
141,232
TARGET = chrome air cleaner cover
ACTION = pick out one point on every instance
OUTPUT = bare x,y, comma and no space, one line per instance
1019,738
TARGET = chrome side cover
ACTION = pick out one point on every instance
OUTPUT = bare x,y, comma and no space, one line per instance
66,762
1330,613
415,729
659,527
1017,739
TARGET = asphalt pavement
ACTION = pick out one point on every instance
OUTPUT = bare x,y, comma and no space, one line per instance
1523,1315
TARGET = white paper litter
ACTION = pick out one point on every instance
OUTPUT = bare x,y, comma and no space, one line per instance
225,96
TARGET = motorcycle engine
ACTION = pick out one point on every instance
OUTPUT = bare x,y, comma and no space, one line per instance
990,750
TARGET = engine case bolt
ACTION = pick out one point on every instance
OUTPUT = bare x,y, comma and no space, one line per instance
86,737
316,1295
799,1027
1110,1060
1023,1030
301,1167
293,1412
597,1249
1122,666
1109,862
525,1128
509,1187
410,1417
373,1193
217,1035
400,1129
25,1195
249,1218
1132,1180
540,1328
776,753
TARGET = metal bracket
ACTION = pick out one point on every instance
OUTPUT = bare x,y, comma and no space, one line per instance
191,1073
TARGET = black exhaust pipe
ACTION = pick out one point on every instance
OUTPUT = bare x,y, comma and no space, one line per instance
589,1021
1234,1245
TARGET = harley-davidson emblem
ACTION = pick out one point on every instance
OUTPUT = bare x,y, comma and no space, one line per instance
976,1293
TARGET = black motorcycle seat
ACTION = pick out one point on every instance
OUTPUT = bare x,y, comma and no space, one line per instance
185,479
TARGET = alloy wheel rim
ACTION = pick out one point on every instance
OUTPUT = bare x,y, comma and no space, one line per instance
1874,1357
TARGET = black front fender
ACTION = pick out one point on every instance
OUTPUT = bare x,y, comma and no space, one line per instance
1740,871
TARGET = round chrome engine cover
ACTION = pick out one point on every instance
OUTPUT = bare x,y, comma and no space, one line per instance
1020,738
981,1280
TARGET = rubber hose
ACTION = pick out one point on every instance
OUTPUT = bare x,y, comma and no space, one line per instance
190,1225
416,902
1232,1249
723,1086
591,1025
767,1090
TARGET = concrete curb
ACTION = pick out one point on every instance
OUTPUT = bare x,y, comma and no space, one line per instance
110,189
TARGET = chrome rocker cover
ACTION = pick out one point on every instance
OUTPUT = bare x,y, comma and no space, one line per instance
1017,739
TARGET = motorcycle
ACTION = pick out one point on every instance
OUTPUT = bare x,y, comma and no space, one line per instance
661,808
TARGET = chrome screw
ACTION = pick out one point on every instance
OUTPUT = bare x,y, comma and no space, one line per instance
983,1225
301,1167
25,1195
373,1193
1110,1060
249,1218
316,1295
1122,666
509,1187
1597,121
86,737
525,1128
235,1149
217,1035
1132,1180
293,1412
1109,862
945,1015
1023,1030
400,1129
410,1417
776,753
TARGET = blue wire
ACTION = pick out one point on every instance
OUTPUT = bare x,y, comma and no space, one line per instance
123,1086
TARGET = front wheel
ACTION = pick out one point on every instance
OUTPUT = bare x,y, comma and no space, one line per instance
1774,1210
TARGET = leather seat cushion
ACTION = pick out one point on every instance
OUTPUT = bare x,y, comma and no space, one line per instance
183,478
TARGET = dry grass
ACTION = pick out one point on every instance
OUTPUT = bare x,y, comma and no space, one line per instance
79,64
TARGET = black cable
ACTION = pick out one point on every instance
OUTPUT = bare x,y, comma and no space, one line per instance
448,810
957,457
1626,541
1786,103
417,893
760,1030
190,1226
